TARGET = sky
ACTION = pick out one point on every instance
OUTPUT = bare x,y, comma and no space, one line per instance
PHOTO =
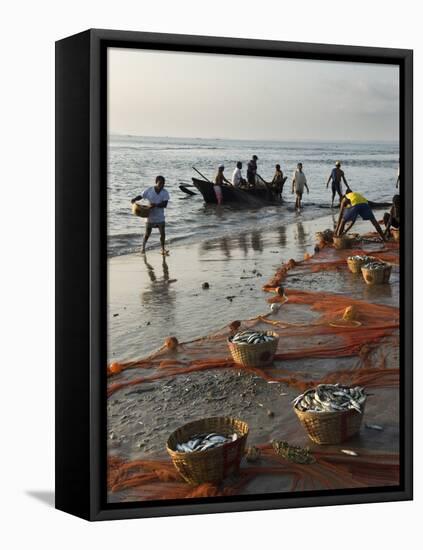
155,93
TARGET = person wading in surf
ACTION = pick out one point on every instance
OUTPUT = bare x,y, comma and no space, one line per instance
237,179
158,197
299,181
336,176
219,180
252,171
278,181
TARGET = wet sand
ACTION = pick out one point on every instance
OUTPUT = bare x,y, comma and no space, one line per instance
151,297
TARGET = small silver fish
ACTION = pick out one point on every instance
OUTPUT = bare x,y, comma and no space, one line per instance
349,452
374,427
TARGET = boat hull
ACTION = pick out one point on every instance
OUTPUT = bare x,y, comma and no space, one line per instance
233,194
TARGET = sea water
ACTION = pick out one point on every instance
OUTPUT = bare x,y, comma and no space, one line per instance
134,162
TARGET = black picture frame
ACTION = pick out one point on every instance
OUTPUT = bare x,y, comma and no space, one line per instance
81,155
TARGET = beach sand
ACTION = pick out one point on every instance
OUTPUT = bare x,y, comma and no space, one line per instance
151,298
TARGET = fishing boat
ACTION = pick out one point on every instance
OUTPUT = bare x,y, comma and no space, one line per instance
255,195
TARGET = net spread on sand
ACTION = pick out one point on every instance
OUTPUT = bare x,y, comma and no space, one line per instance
310,327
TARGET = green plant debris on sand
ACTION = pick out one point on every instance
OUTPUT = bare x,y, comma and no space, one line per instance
299,455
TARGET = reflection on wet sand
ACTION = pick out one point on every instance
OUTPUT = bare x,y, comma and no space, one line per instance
158,297
282,235
246,242
374,293
256,241
225,246
242,243
301,234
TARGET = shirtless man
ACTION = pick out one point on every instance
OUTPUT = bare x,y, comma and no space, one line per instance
336,176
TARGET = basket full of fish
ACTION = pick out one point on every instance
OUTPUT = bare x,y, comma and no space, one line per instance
331,413
208,450
252,348
355,263
376,272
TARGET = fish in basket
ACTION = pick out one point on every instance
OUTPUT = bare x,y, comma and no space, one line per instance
252,348
331,413
355,263
376,272
208,450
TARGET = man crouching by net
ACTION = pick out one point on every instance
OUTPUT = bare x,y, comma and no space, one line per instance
352,206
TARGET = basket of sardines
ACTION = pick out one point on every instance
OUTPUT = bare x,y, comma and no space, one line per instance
252,348
355,263
331,413
208,450
376,272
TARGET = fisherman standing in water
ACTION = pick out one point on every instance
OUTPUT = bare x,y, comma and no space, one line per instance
158,197
299,181
336,176
219,180
278,181
237,179
252,171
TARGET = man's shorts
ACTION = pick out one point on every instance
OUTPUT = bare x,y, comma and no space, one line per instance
299,194
362,210
336,187
152,225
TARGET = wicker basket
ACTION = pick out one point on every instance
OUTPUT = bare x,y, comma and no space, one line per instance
376,276
141,210
255,355
213,465
395,234
342,242
356,265
330,428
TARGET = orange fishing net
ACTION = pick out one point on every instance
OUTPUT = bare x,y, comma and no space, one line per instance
158,479
310,327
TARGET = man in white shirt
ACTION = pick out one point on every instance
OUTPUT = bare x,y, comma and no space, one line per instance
158,197
237,178
299,181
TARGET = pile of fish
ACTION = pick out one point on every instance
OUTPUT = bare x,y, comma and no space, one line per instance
204,442
251,337
331,398
363,259
375,265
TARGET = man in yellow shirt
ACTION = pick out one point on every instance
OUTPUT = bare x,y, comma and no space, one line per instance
352,206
